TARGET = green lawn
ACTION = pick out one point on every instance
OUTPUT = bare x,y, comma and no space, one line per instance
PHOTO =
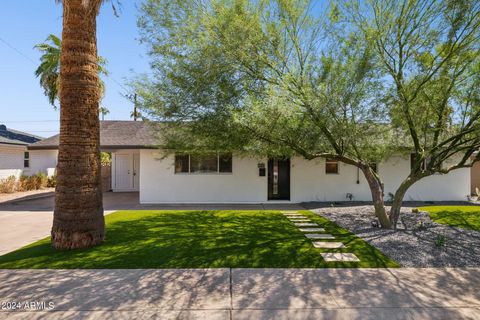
467,217
199,239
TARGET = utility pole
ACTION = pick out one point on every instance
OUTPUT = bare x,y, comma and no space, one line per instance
135,107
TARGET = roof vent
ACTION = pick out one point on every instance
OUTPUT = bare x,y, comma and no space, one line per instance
3,127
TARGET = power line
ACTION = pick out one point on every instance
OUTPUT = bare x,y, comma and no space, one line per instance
16,50
42,130
27,121
126,91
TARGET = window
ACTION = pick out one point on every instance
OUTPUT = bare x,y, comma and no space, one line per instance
413,160
26,159
331,166
374,167
204,164
213,163
182,163
225,162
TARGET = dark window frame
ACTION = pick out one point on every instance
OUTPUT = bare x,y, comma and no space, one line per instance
328,162
26,159
225,169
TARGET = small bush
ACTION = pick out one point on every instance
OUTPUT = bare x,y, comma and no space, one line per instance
22,183
440,241
8,185
41,181
52,181
35,182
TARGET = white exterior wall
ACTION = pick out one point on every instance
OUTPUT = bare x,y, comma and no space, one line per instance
449,187
42,161
11,160
308,182
160,184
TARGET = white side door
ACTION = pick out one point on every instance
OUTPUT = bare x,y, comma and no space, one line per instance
123,172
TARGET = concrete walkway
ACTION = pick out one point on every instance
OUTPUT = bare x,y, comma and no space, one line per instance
244,293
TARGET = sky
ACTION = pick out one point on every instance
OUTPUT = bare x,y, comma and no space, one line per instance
23,106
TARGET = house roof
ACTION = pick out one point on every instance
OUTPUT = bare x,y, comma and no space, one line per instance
113,135
15,137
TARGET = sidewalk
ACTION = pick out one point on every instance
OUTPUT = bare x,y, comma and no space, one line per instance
245,293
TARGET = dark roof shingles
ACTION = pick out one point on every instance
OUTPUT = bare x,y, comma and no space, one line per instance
9,136
113,134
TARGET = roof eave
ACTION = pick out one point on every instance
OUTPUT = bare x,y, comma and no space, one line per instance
107,147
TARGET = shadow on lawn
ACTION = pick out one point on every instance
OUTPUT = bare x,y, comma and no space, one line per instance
458,218
198,239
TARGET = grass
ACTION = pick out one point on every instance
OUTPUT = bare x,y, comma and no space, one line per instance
466,217
199,239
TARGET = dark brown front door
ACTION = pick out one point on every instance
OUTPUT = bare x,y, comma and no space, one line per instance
278,179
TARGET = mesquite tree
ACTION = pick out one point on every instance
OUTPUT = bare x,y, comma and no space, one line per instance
430,52
275,78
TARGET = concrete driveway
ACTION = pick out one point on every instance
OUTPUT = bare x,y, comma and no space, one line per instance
25,221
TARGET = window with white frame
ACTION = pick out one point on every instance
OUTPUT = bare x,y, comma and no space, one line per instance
209,163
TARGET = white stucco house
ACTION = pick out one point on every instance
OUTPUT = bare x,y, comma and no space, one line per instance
15,159
160,177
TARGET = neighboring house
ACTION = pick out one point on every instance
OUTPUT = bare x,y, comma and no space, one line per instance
160,177
15,159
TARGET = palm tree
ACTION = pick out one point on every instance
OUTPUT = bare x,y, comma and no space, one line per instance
49,68
103,112
78,220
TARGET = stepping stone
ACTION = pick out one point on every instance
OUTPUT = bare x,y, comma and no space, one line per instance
293,215
312,230
296,217
306,224
328,245
338,256
319,236
289,212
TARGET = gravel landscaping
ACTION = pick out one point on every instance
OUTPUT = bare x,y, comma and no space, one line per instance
420,243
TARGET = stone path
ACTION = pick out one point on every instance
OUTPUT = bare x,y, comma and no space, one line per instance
312,233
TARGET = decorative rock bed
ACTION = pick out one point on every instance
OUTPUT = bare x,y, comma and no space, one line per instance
420,242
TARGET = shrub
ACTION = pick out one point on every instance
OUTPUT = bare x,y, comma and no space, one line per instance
105,158
440,241
22,183
41,181
52,181
8,185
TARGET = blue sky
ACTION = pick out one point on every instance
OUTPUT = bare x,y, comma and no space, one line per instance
22,25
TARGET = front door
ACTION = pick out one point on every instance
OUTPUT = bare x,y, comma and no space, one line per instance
278,179
123,172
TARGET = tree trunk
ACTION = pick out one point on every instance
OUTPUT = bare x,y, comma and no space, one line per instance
398,199
376,188
78,217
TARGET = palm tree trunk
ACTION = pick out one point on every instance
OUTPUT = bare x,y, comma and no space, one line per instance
78,217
